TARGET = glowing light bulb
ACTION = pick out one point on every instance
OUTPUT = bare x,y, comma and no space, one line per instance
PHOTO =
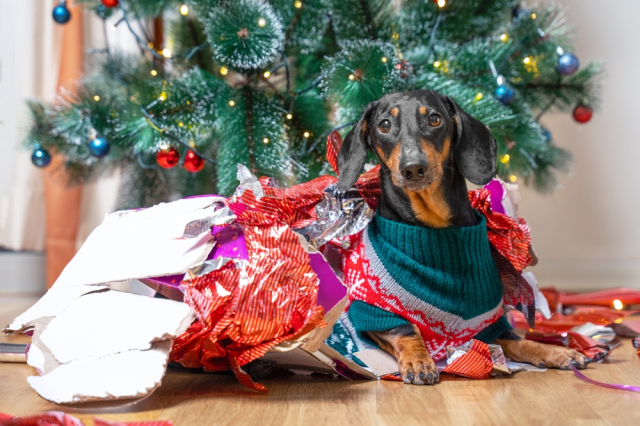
113,28
504,37
232,103
442,3
224,70
297,4
384,59
154,73
150,45
262,22
267,74
437,64
166,53
351,76
96,98
533,16
265,140
479,96
184,10
505,159
527,60
306,134
513,178
289,116
162,97
617,304
181,124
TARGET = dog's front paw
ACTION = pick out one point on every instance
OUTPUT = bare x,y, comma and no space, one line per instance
418,368
542,355
562,358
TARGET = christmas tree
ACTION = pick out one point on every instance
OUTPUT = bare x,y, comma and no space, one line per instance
262,83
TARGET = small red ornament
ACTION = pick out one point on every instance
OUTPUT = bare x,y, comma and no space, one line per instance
193,162
110,3
582,113
405,68
168,158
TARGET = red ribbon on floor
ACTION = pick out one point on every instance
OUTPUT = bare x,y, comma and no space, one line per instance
475,364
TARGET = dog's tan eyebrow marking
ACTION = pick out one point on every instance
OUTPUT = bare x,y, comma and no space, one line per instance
422,110
394,112
364,127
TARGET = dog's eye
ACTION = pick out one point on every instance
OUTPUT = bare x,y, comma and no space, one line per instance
384,126
434,120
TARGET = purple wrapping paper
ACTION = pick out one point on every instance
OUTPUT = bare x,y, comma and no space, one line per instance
230,243
497,192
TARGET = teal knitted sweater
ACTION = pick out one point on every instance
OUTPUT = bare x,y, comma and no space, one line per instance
442,280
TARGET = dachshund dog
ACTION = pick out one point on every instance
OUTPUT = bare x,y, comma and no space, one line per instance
427,145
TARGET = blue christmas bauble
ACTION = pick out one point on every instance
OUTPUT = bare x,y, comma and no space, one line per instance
547,134
99,147
568,64
61,14
505,94
40,157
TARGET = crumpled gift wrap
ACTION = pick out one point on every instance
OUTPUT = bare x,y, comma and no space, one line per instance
511,250
594,341
560,323
245,307
58,418
476,360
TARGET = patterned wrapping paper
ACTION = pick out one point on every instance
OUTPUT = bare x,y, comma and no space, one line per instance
595,350
247,307
561,323
476,360
602,298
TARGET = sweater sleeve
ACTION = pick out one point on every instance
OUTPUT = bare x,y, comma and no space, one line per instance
365,317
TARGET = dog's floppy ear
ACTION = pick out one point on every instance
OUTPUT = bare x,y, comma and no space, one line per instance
353,153
474,151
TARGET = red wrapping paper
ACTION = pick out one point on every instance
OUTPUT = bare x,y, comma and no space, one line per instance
57,418
475,364
511,238
560,323
591,348
241,315
602,298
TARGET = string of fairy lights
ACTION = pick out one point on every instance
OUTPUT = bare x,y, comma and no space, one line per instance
168,156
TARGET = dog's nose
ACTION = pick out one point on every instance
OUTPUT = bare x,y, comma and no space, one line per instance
414,172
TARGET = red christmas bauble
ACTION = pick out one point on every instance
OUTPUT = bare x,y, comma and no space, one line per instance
582,113
110,3
168,158
193,162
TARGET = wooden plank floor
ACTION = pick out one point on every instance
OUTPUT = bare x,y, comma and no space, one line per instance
526,398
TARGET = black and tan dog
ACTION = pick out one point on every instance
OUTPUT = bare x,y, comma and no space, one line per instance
427,145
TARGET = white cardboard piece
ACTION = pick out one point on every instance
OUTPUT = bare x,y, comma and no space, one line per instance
140,244
105,345
128,245
112,322
93,343
125,375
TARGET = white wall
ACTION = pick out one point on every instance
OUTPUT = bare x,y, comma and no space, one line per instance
587,233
